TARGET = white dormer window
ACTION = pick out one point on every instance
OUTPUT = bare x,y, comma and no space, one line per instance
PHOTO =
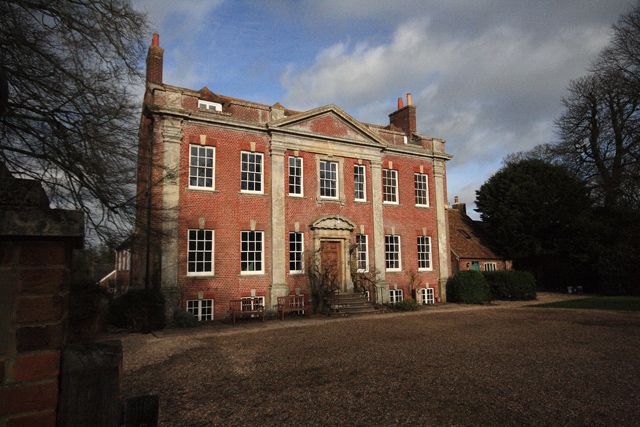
209,106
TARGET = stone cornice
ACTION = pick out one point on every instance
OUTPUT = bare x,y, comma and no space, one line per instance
316,136
224,120
418,152
218,119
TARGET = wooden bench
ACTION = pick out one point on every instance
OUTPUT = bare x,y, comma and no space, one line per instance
246,307
293,304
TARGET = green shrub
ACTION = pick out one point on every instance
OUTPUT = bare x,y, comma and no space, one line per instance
270,313
511,285
138,310
405,305
469,287
184,319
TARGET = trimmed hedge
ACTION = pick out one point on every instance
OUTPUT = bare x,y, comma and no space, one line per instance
405,305
511,285
138,310
469,287
184,319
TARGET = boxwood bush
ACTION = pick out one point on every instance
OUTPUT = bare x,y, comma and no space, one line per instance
511,285
469,287
184,319
138,310
405,305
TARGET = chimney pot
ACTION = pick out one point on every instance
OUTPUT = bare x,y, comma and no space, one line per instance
455,199
156,40
404,118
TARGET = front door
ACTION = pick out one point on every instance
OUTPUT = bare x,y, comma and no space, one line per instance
331,260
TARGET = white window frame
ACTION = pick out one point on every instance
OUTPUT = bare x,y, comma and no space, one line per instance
301,253
250,153
210,272
390,198
365,253
494,266
396,296
250,305
209,106
427,296
337,180
301,193
425,196
261,252
419,244
362,171
196,307
386,253
213,167
123,260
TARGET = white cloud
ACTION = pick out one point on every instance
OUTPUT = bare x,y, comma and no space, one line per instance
191,14
487,76
486,95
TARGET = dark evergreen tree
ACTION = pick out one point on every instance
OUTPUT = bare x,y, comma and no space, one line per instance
538,214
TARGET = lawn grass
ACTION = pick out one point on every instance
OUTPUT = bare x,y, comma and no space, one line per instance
598,303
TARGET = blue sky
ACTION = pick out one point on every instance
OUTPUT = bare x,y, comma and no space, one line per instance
486,75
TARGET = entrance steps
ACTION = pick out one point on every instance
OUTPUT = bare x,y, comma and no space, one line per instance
347,304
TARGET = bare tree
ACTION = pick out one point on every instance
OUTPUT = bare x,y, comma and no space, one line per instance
323,280
623,53
364,281
600,136
600,128
70,121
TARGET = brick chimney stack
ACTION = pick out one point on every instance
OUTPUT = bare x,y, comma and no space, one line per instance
404,117
462,207
154,61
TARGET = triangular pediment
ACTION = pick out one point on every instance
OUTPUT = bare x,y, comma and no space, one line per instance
332,222
329,121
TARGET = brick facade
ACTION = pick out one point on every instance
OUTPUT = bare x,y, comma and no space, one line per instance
168,206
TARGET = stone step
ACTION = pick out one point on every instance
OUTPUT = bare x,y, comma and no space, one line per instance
349,297
351,303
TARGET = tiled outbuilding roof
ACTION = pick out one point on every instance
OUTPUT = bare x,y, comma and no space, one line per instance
466,237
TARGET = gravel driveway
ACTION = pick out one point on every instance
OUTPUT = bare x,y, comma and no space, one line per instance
504,364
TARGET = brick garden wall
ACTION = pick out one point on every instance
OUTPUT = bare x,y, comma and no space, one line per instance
36,274
36,244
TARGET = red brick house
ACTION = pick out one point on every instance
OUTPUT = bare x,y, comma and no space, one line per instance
469,250
234,193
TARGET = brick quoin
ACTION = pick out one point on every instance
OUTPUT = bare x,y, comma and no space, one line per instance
40,309
36,366
43,280
9,254
31,338
41,253
28,397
